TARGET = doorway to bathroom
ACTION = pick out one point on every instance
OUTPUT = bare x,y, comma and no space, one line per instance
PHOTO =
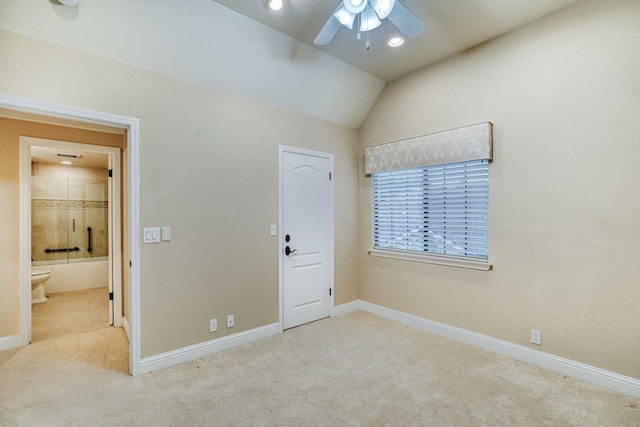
24,116
74,195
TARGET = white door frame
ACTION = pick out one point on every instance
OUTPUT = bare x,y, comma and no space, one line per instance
132,125
115,247
285,149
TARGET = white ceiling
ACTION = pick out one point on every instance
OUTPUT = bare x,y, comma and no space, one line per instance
203,42
87,160
239,47
452,26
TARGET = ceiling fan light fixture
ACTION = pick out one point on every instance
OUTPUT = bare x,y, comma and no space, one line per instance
383,7
345,17
355,6
274,5
69,2
369,14
369,20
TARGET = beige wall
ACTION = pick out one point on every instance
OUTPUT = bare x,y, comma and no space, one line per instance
10,132
208,169
564,97
564,239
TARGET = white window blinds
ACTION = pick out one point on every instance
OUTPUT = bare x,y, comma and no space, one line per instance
440,210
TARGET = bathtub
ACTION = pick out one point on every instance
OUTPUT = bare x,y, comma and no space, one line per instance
76,275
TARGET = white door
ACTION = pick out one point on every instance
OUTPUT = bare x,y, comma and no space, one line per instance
110,225
307,236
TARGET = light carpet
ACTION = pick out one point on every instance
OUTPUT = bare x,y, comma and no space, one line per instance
357,369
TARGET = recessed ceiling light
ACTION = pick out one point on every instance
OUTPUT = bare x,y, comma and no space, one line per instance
395,41
66,162
274,4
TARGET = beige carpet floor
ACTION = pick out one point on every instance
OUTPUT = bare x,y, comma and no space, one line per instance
355,369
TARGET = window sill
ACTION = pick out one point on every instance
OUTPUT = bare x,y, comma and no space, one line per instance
449,262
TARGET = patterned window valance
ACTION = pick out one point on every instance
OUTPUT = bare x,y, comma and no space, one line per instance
450,146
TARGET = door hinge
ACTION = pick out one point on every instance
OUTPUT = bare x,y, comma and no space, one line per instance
329,176
110,173
130,264
110,296
329,291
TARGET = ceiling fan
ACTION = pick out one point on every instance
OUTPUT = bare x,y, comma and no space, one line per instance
369,14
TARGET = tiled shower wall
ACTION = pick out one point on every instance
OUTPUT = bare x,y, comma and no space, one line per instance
65,201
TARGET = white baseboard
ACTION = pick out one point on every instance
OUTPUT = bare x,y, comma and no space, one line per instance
346,307
195,351
125,327
611,380
12,341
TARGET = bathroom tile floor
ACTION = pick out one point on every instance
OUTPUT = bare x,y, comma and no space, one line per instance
69,313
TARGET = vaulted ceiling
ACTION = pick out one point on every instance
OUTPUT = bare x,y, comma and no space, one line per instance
240,47
451,26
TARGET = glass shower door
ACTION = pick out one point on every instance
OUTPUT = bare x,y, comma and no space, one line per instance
69,219
49,219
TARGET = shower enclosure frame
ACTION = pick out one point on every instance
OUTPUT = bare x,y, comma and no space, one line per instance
83,203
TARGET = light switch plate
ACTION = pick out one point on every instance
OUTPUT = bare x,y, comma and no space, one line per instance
151,235
166,234
274,230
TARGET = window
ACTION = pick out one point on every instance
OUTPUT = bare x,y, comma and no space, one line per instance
439,210
430,197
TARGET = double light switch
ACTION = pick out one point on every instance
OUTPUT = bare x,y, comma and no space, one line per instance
156,234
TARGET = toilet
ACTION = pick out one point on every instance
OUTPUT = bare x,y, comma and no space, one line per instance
38,277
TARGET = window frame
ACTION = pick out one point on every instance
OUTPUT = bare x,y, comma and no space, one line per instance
425,256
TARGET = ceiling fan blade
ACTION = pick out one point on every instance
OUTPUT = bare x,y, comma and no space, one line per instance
405,20
328,32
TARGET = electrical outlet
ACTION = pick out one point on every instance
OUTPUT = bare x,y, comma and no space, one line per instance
536,337
213,325
230,321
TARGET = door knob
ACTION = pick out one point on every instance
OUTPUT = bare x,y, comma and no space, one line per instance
288,251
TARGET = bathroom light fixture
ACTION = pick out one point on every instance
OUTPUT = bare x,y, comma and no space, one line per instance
69,2
395,41
66,162
274,5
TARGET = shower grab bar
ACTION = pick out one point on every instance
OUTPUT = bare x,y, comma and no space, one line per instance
63,250
89,239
